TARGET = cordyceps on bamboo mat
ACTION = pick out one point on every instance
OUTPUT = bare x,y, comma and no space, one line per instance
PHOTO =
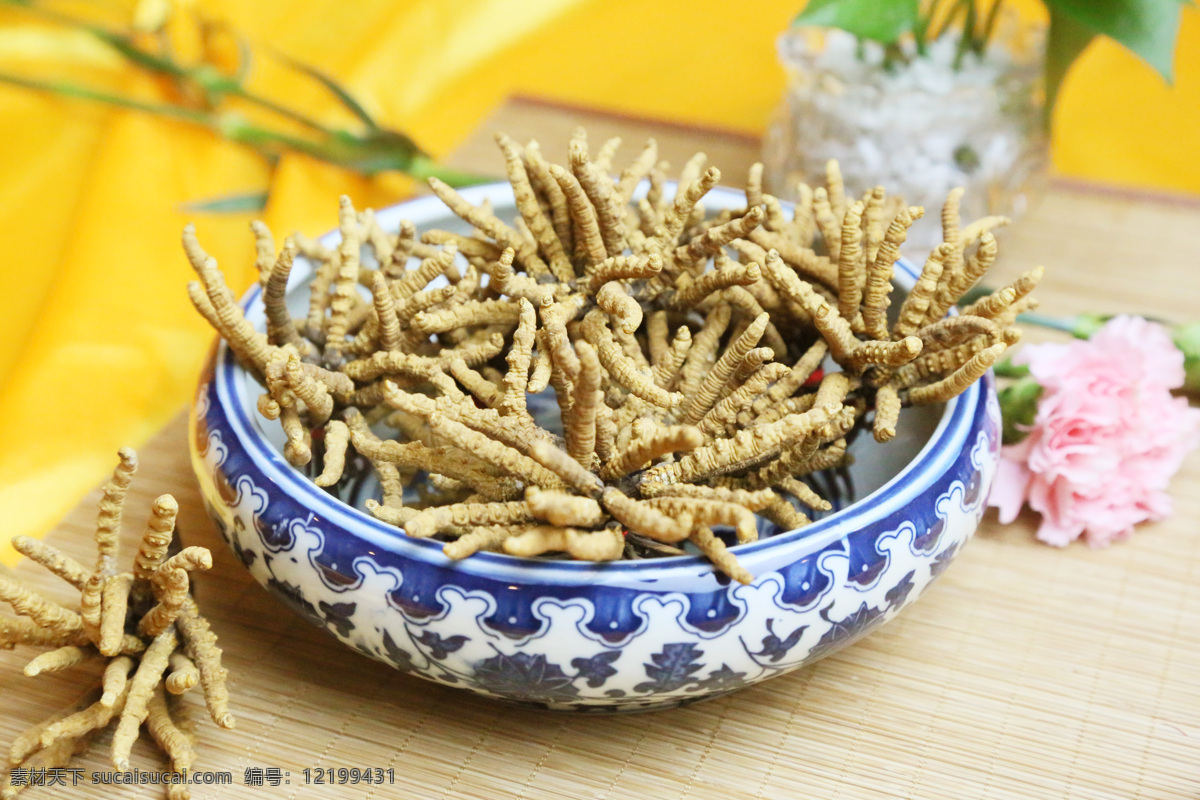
684,352
143,622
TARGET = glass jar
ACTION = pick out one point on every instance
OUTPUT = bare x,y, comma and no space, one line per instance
918,125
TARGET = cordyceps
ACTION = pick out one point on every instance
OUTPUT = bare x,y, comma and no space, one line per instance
684,352
143,623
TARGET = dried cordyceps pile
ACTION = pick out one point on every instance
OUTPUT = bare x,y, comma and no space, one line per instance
144,623
682,351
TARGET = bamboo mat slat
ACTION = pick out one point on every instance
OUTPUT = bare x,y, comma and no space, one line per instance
1026,672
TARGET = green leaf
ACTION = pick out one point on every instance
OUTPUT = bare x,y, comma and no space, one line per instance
336,89
1187,339
423,167
81,92
1149,28
1066,40
229,204
124,45
1018,408
379,150
1004,368
975,293
1087,324
883,22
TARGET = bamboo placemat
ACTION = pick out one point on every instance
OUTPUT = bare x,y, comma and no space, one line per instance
1025,672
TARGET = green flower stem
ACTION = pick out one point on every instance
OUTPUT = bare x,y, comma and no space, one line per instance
966,41
989,26
423,167
340,148
235,128
893,55
214,84
958,7
79,92
1064,324
373,150
241,92
123,45
205,77
921,29
368,156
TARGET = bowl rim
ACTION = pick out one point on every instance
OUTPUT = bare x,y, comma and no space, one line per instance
942,450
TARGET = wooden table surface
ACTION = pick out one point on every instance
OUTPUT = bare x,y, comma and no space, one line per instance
1025,672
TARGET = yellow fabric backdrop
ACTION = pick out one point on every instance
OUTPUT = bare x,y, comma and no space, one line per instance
98,344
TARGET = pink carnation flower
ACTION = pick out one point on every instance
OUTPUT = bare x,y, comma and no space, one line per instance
1107,437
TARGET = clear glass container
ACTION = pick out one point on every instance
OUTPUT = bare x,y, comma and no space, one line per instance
919,126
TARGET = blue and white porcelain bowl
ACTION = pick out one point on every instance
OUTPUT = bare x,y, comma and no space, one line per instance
584,636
